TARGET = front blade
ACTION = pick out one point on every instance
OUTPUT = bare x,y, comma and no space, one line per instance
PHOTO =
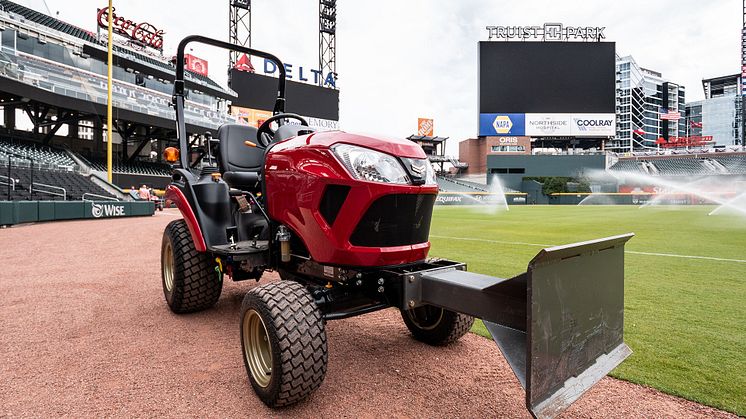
575,321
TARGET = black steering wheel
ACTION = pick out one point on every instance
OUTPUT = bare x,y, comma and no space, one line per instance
265,134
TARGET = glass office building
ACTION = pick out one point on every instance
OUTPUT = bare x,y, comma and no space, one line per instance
720,114
641,96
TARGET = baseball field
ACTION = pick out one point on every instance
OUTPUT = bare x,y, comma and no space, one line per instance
685,283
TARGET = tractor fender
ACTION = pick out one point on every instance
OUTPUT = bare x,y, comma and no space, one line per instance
176,196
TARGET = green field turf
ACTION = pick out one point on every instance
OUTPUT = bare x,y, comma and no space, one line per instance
685,319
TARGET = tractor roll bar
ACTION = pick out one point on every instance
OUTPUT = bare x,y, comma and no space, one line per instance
178,96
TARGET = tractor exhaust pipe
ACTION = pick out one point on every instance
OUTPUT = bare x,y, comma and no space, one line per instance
560,325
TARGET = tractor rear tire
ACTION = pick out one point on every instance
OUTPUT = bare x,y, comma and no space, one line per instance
283,341
189,278
436,326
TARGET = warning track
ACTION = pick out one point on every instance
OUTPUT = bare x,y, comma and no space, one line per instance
85,333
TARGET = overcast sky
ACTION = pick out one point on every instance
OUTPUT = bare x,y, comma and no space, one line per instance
400,60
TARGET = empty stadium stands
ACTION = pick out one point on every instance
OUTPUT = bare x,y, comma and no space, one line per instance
137,168
697,165
681,167
628,166
54,174
49,185
42,156
734,164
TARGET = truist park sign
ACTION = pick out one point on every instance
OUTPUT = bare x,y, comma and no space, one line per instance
550,32
143,33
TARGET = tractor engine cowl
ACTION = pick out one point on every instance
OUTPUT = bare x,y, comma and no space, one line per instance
341,216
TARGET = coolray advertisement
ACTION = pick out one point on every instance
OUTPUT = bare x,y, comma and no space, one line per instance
548,124
593,125
546,77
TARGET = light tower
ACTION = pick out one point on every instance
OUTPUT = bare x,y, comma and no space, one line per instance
239,27
328,39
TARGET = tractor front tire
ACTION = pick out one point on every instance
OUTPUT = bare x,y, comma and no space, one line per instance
436,326
283,340
189,278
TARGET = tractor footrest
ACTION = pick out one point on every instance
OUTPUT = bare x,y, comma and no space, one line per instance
244,250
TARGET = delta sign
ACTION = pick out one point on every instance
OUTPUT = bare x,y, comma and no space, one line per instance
303,74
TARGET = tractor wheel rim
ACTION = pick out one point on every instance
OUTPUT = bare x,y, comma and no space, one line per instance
256,348
426,317
168,267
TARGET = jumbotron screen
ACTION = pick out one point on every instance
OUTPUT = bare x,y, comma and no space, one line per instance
547,88
260,92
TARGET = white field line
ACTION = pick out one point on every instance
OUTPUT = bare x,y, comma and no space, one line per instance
633,252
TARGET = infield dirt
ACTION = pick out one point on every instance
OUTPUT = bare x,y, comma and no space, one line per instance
85,332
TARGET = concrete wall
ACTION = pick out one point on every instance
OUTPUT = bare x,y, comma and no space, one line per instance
521,166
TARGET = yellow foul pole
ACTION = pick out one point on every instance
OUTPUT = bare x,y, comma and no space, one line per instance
108,101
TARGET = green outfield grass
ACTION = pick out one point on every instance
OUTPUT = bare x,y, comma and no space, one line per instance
685,318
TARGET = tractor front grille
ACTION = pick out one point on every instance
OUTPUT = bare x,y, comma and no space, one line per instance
395,220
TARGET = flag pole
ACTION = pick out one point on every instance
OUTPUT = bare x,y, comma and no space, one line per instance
108,97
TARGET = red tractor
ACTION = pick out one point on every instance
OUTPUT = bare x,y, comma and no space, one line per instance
344,219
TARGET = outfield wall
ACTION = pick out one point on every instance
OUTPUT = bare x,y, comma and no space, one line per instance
18,212
478,198
568,198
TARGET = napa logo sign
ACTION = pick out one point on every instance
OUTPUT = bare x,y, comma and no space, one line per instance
512,124
107,210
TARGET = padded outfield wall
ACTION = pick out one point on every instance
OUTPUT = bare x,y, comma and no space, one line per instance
19,212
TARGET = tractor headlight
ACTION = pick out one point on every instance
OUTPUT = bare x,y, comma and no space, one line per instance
366,164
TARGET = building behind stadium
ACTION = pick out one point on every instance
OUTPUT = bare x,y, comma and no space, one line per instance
571,105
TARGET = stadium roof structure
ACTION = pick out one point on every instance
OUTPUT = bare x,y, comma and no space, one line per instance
427,139
123,53
56,73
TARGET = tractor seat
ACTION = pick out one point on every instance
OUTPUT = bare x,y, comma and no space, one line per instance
240,164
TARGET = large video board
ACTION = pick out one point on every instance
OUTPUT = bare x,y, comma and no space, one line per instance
549,89
258,91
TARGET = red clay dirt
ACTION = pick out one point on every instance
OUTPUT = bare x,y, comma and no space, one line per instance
85,332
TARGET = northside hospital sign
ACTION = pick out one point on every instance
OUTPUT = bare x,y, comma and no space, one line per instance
547,33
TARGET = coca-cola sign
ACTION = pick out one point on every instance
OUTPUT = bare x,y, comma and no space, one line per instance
144,33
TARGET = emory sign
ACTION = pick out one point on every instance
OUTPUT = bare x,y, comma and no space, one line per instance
144,33
548,33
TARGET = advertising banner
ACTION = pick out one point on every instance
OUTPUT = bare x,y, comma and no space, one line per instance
491,124
255,118
248,116
548,124
425,126
196,64
594,125
479,198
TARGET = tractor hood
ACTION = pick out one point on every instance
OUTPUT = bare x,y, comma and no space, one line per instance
395,146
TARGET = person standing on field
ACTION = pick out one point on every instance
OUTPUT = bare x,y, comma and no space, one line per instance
144,193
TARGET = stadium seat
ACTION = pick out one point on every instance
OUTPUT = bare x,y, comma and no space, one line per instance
75,185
